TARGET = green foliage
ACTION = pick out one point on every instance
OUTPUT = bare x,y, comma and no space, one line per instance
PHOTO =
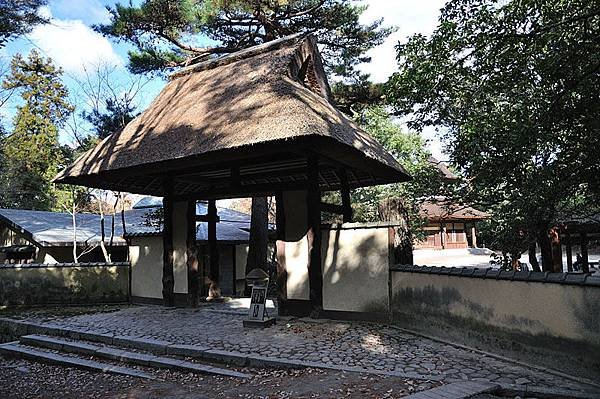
165,32
517,86
18,17
356,94
410,151
32,154
117,114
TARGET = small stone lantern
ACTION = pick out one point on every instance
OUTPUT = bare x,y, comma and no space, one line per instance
258,279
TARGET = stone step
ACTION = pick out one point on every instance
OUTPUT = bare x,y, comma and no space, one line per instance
125,356
456,390
14,349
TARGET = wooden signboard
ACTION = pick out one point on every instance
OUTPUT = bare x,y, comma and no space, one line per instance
257,314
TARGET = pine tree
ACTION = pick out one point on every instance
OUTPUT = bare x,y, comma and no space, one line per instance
32,154
18,17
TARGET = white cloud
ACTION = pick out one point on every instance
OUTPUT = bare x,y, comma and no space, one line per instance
89,11
73,45
410,17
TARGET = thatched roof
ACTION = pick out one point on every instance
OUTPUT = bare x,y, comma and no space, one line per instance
443,169
267,103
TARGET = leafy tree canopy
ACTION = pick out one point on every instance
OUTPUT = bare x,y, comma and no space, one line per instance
32,154
18,17
166,32
409,148
517,86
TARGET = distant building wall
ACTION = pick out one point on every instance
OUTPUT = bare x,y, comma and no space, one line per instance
34,284
146,257
59,253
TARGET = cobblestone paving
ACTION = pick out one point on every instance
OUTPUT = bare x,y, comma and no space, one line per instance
355,344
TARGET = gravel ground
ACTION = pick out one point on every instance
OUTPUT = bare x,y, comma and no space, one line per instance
25,379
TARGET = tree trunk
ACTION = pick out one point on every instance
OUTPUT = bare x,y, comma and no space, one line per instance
393,210
546,250
557,265
535,265
585,265
103,233
259,230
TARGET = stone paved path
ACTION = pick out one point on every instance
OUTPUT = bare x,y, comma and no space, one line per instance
355,344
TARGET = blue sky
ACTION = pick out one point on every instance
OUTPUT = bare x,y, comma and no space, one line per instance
72,44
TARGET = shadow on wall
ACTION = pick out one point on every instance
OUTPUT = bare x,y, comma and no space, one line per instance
587,311
445,312
355,270
64,285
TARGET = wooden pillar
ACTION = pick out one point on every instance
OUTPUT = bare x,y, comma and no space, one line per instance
443,234
281,266
168,279
214,292
315,274
569,249
473,236
192,254
345,191
585,265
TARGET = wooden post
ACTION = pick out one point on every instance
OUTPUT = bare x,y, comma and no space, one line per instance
473,236
214,292
315,274
168,280
192,254
585,265
443,234
234,269
345,191
281,267
569,249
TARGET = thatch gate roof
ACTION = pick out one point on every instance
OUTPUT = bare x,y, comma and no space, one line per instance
248,120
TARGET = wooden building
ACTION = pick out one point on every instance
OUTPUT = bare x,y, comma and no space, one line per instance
257,122
449,226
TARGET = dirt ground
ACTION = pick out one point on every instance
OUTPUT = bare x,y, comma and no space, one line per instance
25,379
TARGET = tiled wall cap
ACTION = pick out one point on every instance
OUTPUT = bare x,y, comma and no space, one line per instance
575,278
506,274
593,281
527,276
53,265
492,273
556,277
522,276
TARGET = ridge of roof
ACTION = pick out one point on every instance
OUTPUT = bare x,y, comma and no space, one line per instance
240,55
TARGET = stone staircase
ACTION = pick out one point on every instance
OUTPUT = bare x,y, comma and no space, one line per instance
100,357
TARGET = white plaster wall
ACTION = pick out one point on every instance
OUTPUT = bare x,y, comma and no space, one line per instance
179,247
145,254
355,269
